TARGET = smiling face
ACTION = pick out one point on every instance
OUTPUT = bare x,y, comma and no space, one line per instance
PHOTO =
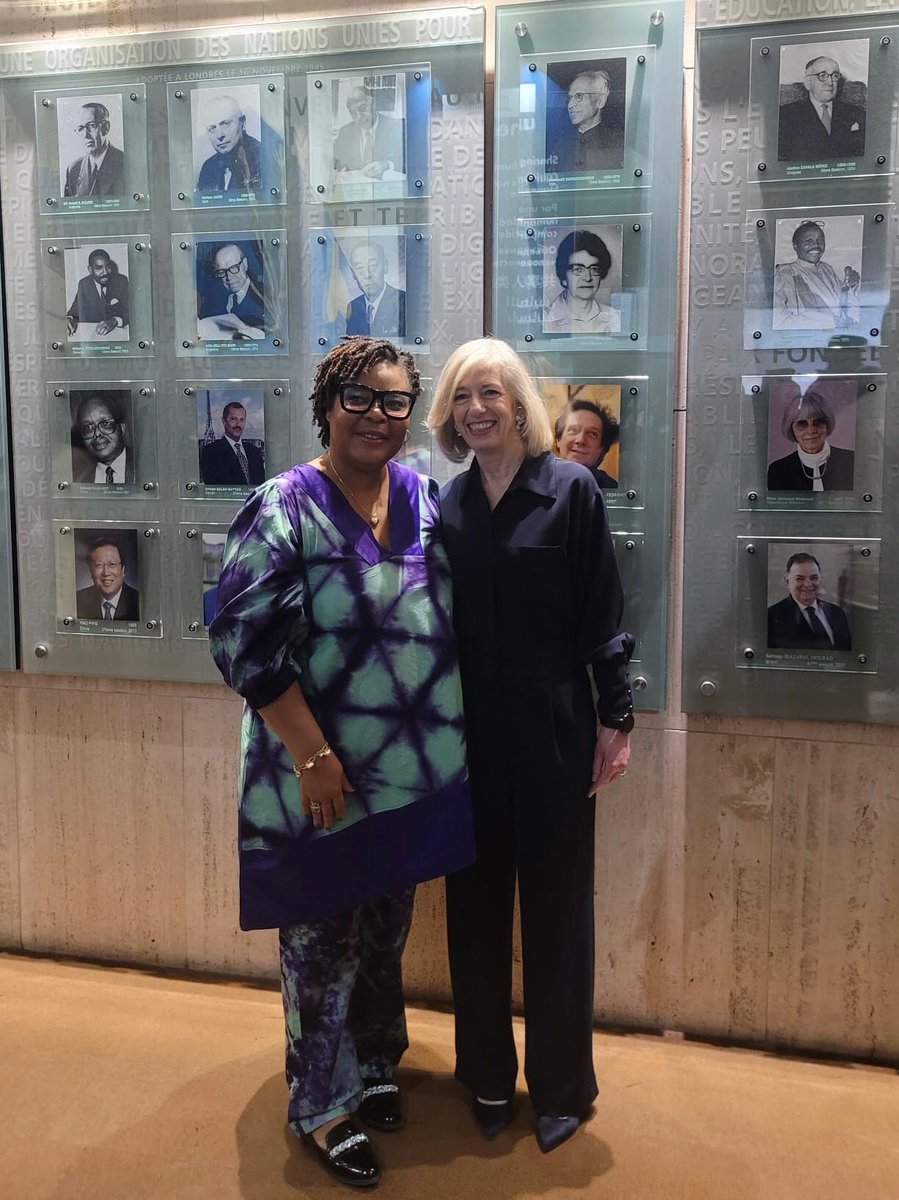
581,439
586,99
102,435
366,441
98,265
810,433
803,581
107,570
822,89
224,124
484,411
810,245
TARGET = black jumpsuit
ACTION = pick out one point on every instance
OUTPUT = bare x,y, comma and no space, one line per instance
537,598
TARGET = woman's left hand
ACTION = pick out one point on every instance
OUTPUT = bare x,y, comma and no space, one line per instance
610,759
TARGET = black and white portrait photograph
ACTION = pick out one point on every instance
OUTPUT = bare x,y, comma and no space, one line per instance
369,118
376,301
586,420
818,273
213,549
812,434
226,129
96,283
107,582
585,116
582,279
231,436
810,590
823,92
102,435
369,133
91,145
232,301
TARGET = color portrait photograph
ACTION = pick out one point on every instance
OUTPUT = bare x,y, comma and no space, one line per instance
231,436
586,421
107,579
812,434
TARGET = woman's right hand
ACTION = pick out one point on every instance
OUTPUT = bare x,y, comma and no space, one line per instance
322,788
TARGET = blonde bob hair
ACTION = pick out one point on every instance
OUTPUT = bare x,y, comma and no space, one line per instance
535,432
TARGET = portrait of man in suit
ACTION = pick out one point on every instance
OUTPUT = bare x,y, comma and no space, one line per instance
109,597
381,308
231,300
236,162
100,170
230,460
101,299
817,119
587,134
803,621
371,142
101,450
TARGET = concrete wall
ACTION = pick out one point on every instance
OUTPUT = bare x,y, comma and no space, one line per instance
747,872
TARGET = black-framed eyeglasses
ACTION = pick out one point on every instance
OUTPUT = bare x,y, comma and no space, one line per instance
824,76
224,272
357,399
105,425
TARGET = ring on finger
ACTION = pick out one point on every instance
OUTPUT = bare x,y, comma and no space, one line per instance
315,806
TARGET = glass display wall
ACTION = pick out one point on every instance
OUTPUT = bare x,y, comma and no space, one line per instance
588,161
792,442
190,221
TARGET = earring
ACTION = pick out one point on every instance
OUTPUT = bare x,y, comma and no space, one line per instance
519,420
405,437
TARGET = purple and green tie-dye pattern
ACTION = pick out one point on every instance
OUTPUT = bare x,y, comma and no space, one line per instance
342,986
308,595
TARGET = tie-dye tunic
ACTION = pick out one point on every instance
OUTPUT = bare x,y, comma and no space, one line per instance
308,595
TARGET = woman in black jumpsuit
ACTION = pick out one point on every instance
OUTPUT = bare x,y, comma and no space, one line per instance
537,600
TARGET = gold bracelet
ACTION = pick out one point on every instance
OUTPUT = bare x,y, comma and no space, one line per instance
299,768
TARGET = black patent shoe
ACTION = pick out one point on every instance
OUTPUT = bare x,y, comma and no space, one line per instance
553,1131
381,1106
349,1157
492,1119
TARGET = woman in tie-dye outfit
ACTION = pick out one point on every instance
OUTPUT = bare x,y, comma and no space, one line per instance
334,624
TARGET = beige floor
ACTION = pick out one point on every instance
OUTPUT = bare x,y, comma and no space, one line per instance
121,1086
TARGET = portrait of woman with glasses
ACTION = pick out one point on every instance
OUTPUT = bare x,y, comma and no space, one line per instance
334,624
582,263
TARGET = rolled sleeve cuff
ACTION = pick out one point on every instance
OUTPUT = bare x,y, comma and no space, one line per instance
259,693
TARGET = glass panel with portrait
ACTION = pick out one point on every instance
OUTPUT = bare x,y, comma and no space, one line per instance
97,297
813,441
103,438
823,105
586,121
92,149
370,280
107,579
599,424
230,295
808,604
582,281
199,566
369,133
817,277
226,142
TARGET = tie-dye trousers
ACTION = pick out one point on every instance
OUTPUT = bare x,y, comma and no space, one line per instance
342,986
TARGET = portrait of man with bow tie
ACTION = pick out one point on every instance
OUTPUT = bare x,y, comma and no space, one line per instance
823,97
227,120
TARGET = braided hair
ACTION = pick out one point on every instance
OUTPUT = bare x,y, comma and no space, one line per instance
345,363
